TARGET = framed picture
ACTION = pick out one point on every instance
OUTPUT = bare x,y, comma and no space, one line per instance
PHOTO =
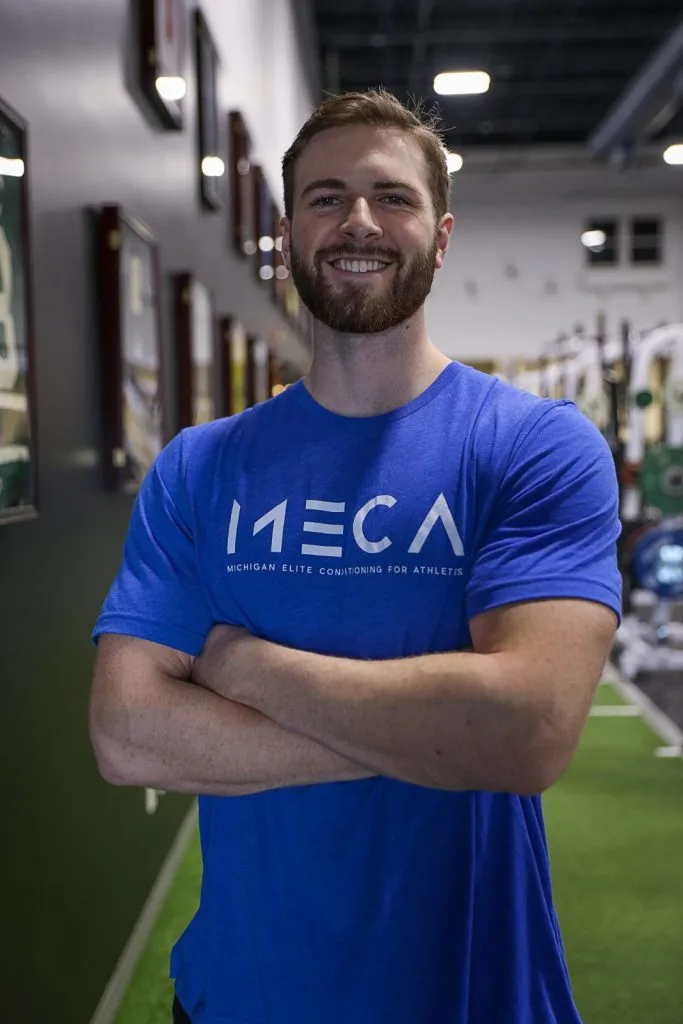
264,263
132,371
274,374
195,351
280,286
18,456
259,370
244,236
211,166
234,366
163,43
292,304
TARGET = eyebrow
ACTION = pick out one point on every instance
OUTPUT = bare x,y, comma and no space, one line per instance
341,186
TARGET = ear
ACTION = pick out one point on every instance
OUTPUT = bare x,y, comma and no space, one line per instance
286,229
443,237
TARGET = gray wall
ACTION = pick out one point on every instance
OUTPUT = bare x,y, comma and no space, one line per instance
79,856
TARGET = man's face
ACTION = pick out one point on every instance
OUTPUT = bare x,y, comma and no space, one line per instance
363,243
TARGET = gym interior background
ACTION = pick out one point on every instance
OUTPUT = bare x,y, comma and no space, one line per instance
140,140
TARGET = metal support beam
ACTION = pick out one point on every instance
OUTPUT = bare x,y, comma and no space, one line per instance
658,83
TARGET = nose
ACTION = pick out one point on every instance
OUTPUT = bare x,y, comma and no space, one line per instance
360,223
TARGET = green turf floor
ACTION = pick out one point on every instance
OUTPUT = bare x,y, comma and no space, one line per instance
615,830
608,695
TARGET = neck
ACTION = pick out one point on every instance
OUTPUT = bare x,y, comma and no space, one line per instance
371,374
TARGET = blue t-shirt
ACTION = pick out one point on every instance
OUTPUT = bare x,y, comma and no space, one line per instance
375,901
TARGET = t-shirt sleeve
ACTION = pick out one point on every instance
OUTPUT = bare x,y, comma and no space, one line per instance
552,532
157,593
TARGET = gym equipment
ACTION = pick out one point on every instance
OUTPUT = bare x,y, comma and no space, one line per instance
658,559
655,478
650,639
661,479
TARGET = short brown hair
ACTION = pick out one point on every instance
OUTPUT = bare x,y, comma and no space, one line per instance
375,107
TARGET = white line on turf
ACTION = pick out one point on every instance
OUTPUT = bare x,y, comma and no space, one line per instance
660,723
615,711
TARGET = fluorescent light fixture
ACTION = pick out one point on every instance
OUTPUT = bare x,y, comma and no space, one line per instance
213,167
462,83
593,239
11,168
171,88
454,161
674,155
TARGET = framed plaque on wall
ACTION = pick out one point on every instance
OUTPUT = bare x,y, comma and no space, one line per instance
131,361
259,361
211,165
18,455
234,369
195,330
244,237
280,286
163,43
263,207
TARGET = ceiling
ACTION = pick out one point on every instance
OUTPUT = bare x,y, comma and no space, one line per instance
557,66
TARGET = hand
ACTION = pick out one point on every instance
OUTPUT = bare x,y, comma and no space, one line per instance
228,662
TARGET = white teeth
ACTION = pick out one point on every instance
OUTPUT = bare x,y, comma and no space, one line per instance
359,266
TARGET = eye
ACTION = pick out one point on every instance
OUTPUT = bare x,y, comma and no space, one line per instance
325,201
394,200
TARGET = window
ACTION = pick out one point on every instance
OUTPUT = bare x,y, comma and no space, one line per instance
601,241
646,240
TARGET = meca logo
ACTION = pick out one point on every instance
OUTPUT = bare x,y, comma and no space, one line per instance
438,513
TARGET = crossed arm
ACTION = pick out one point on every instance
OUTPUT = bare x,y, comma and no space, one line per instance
506,716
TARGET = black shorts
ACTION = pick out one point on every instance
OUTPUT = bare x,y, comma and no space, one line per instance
179,1015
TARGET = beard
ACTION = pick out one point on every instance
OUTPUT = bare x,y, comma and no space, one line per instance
352,307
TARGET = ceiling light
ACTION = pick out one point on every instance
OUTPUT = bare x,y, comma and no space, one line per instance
213,167
461,83
171,88
593,239
454,161
11,168
674,155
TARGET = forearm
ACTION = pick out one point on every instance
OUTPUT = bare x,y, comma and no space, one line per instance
178,737
446,721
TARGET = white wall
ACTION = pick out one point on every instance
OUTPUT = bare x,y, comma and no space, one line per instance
515,276
262,75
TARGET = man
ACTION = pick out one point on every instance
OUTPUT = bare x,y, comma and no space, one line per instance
394,587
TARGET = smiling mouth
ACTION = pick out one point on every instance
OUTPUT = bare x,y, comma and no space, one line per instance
356,266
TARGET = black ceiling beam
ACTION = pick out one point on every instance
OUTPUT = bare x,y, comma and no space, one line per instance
576,119
593,62
568,88
423,22
532,8
494,34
